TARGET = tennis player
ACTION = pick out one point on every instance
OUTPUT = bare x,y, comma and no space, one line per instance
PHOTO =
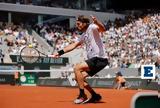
96,61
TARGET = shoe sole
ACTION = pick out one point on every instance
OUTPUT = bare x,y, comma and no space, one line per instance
83,102
80,100
88,100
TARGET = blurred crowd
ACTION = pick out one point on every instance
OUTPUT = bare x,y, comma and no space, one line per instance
13,37
129,43
135,43
57,35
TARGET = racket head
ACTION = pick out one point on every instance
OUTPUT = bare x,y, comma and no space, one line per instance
29,55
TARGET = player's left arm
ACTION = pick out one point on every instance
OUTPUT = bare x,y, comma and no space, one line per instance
101,27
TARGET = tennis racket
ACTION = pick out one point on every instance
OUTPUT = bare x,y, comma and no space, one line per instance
30,54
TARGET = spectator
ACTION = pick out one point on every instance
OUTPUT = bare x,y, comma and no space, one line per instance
157,63
16,77
120,82
1,56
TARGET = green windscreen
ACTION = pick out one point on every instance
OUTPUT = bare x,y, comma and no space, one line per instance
147,102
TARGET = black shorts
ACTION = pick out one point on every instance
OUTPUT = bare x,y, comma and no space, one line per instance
96,64
123,84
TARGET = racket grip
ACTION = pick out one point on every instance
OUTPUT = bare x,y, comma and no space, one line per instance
51,56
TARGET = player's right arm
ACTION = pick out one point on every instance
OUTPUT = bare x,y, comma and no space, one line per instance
101,27
71,47
68,48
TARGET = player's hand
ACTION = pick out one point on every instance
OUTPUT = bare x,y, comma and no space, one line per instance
55,55
94,19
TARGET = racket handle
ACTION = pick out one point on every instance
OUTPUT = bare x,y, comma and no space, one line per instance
51,56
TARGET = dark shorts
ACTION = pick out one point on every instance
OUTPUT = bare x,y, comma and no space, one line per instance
96,64
123,84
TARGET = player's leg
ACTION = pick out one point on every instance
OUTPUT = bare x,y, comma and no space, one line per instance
95,65
87,86
95,97
91,66
78,69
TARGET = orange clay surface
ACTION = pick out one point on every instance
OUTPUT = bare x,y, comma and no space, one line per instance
60,97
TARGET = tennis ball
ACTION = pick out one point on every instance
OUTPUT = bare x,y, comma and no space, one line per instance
30,46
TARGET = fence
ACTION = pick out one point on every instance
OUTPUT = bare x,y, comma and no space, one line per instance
66,78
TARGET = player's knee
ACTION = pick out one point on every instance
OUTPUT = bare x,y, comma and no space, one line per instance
77,68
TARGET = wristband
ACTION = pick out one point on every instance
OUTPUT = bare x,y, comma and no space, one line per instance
61,52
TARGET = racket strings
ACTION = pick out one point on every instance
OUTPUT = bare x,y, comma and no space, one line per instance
29,55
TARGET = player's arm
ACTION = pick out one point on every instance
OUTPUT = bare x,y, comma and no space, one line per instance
71,47
101,27
68,48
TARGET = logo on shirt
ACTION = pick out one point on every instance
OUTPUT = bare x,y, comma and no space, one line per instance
148,72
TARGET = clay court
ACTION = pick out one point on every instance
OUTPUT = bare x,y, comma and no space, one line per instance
59,97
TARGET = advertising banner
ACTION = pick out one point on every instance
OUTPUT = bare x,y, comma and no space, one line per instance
28,78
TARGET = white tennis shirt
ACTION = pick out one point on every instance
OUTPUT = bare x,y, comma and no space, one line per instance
93,42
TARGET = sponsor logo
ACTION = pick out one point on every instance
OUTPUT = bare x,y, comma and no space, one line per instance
148,72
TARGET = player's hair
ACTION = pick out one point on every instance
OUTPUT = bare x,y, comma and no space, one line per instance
83,19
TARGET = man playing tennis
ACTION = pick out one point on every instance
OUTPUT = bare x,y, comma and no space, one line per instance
97,60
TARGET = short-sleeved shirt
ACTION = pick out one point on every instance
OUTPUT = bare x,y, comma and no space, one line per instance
93,42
